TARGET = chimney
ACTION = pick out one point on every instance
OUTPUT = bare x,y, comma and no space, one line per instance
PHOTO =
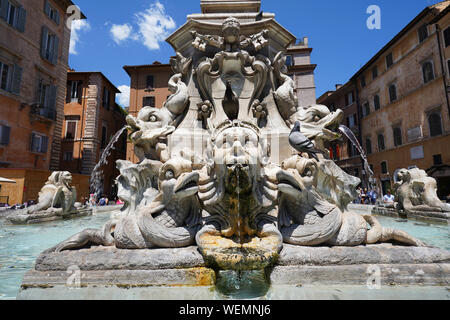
338,86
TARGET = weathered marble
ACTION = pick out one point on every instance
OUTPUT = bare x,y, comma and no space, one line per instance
57,200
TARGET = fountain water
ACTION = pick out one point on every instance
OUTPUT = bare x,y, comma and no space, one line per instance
351,136
97,173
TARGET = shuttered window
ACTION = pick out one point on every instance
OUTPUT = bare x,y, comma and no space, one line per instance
398,141
51,12
15,15
149,101
368,146
376,102
46,97
74,91
10,78
447,37
4,135
106,98
49,46
428,71
39,143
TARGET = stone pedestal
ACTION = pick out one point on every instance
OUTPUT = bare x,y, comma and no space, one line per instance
103,272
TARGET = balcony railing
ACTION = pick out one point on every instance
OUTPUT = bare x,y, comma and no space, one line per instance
43,112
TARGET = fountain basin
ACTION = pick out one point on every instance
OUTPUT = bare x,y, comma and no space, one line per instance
103,269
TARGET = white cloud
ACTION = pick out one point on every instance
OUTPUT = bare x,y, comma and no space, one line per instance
123,98
121,32
78,26
153,26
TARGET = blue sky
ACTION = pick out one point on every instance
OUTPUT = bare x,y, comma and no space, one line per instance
118,33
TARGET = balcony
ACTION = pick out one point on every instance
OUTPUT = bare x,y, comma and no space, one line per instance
42,114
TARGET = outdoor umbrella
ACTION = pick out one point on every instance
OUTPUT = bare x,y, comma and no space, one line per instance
4,180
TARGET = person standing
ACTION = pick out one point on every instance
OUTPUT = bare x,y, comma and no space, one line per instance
389,198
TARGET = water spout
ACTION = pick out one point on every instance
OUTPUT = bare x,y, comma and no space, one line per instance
351,136
97,174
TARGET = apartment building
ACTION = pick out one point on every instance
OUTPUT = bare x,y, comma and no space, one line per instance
403,104
34,51
298,60
91,119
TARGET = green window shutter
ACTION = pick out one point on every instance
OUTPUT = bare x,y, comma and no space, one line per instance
55,51
44,144
69,92
57,17
4,4
5,133
16,79
47,8
52,97
44,39
21,19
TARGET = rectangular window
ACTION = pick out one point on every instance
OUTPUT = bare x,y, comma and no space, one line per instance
384,167
51,12
447,37
365,109
104,137
363,81
4,76
68,156
351,121
374,72
46,97
398,141
349,99
389,60
39,143
106,98
10,78
4,135
289,61
150,82
49,46
423,33
149,101
437,159
71,129
74,91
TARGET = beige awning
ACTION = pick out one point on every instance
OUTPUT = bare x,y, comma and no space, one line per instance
4,180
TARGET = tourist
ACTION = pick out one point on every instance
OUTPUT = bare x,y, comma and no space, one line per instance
373,196
102,201
389,198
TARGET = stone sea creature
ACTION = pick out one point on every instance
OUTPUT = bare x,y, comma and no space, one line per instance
149,131
170,221
416,191
56,198
308,219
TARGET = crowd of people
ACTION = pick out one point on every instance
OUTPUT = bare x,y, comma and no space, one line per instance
102,201
370,197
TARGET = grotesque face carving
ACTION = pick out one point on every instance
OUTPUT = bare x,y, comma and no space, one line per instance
238,155
176,179
319,123
66,178
230,30
403,175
